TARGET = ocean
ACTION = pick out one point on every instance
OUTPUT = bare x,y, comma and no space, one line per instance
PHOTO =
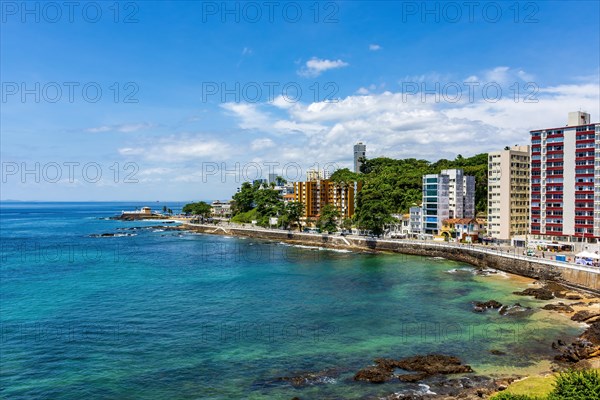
152,313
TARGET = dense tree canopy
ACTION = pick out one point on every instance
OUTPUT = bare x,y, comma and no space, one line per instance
259,202
293,213
393,186
243,200
199,208
328,219
344,176
400,181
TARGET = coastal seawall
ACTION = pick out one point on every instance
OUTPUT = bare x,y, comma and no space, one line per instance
479,256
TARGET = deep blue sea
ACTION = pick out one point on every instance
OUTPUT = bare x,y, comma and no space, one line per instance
159,314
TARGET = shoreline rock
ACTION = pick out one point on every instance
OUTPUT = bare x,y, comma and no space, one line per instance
514,309
467,388
426,366
482,306
538,293
586,316
310,378
559,307
586,346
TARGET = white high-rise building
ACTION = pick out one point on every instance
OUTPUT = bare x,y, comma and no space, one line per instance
415,221
461,194
360,151
455,192
508,193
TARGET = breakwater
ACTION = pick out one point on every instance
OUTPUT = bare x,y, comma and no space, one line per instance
479,256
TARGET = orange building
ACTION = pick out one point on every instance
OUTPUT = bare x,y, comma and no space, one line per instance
317,192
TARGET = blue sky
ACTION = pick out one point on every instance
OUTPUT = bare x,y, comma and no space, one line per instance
198,127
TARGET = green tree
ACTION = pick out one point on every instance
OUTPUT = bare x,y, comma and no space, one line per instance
372,213
347,224
268,202
328,218
576,385
280,180
200,208
293,213
344,176
244,199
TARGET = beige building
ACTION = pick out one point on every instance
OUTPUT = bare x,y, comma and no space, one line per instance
508,193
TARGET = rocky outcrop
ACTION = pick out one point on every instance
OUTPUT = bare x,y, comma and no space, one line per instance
434,364
105,235
586,316
466,388
538,293
587,345
514,309
310,378
481,306
426,366
374,374
560,307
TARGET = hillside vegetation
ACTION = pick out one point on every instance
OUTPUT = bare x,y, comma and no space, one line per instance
399,182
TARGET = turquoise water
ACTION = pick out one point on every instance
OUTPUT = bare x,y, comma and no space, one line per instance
161,314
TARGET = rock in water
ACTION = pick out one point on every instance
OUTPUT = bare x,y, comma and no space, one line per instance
585,315
310,378
513,310
481,306
560,307
375,374
587,345
427,365
538,293
434,364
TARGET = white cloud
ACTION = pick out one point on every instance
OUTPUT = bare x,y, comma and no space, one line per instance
178,148
374,47
249,114
364,90
316,66
252,118
260,144
399,125
123,128
247,51
391,123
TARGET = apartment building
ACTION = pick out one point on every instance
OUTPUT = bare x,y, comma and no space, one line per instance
508,193
565,181
435,207
316,192
415,221
461,194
